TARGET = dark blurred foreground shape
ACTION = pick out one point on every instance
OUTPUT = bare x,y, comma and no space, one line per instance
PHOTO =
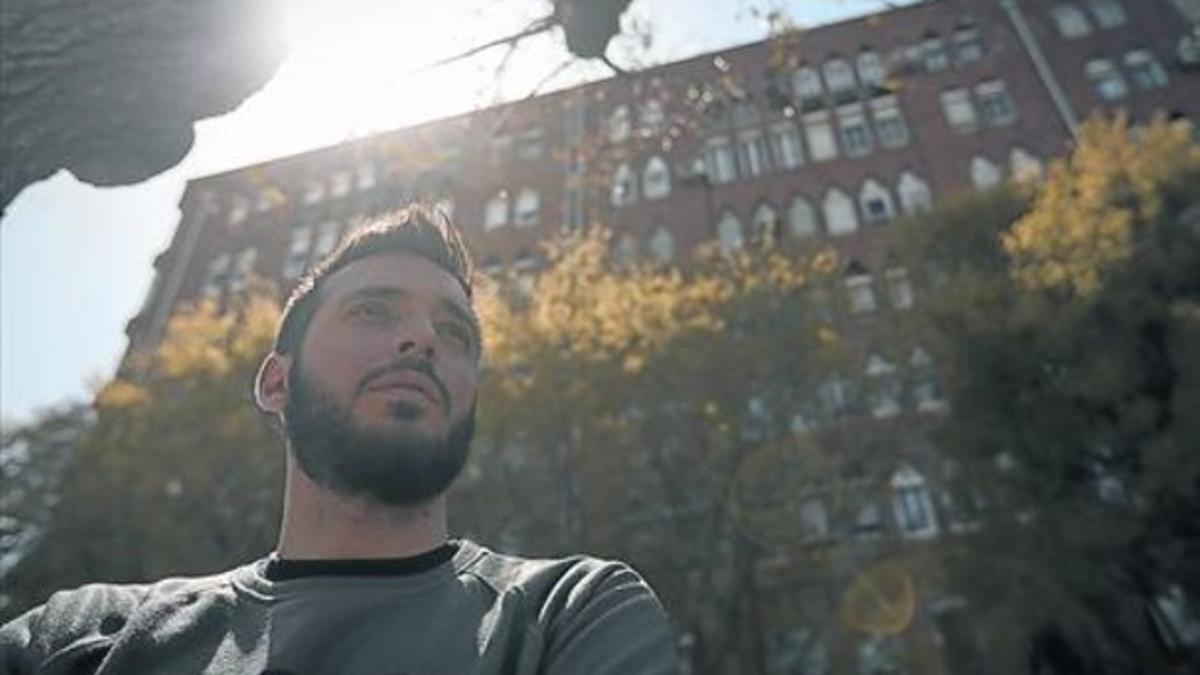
109,90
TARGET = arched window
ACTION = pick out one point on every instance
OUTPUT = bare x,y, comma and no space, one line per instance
766,224
914,193
662,245
626,250
1071,20
984,173
528,207
1023,165
618,124
656,179
870,68
876,202
624,187
838,75
327,238
729,232
650,117
218,273
926,389
243,269
899,287
860,289
912,504
806,83
840,217
801,218
884,387
496,213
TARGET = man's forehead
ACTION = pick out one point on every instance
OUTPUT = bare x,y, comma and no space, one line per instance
400,271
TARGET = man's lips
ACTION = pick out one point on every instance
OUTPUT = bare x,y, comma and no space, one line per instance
407,380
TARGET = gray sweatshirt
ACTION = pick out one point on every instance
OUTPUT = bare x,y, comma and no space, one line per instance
480,612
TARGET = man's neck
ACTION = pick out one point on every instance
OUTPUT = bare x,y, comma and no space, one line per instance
318,524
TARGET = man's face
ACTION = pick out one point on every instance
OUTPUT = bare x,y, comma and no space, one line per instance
382,390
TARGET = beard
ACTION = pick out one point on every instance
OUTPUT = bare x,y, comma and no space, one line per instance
393,468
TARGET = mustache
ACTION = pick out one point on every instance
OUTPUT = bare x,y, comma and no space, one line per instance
413,363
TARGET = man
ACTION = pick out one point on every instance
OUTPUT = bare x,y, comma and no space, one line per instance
373,376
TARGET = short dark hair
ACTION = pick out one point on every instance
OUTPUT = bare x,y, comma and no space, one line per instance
416,230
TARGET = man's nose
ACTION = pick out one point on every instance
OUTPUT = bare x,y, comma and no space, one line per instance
417,337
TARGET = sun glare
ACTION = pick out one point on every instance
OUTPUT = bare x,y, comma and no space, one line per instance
363,65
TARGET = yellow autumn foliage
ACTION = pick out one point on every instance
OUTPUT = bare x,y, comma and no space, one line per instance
1084,217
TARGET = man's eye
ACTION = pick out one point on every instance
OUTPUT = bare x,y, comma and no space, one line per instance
371,311
456,332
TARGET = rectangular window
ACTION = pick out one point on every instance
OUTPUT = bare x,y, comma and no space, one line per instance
995,104
806,82
1145,70
1071,21
218,274
327,238
890,126
1106,79
900,292
529,144
934,55
528,208
366,177
239,208
575,123
837,397
875,210
914,516
341,183
839,76
958,109
819,133
868,523
856,135
243,269
752,149
860,295
298,252
573,215
967,46
314,191
785,143
1108,13
718,159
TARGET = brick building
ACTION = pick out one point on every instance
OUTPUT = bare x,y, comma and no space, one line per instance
827,134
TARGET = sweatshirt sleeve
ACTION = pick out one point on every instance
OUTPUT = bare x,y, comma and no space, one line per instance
605,620
16,644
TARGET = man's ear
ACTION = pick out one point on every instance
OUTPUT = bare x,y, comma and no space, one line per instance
271,384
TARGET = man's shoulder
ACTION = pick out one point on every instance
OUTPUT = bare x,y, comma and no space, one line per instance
595,615
556,585
97,611
503,571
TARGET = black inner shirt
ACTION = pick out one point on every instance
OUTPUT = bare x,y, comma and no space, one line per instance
279,569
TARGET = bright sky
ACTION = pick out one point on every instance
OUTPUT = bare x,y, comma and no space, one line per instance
75,260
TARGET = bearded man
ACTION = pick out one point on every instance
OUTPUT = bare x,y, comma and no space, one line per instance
373,376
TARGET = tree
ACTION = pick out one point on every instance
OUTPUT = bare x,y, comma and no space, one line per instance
33,458
621,407
178,473
1065,317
